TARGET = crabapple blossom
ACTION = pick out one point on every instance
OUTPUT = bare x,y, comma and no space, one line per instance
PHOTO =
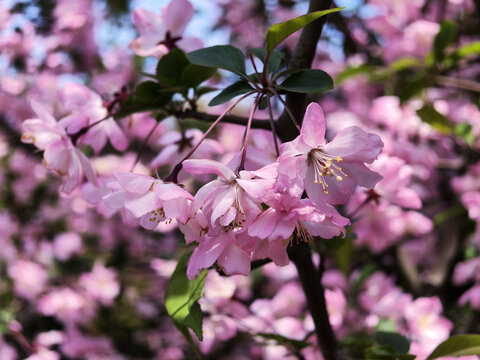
161,33
329,171
151,200
60,154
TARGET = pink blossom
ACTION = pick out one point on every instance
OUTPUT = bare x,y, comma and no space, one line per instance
101,284
177,145
225,249
66,245
230,198
329,171
66,304
60,154
161,33
151,200
44,354
426,326
471,296
85,108
336,306
29,278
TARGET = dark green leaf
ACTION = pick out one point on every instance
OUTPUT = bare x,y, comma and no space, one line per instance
399,342
263,103
170,67
412,86
431,116
457,345
193,75
182,295
445,37
147,91
238,88
307,81
282,340
225,57
386,353
148,96
174,69
205,90
275,61
184,330
279,32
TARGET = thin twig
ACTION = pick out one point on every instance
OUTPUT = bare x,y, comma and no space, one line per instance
272,125
287,108
144,145
458,83
247,131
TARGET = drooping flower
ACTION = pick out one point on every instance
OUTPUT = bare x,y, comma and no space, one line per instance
329,171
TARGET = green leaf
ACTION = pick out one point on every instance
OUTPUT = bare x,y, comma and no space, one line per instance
472,48
405,64
193,75
398,341
148,96
225,57
354,71
202,90
279,32
344,254
282,340
445,37
170,67
386,325
457,345
275,61
236,89
147,91
182,295
431,116
307,81
465,131
263,103
174,69
184,330
386,353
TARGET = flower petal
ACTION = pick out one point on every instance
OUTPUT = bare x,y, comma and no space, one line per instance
313,126
205,166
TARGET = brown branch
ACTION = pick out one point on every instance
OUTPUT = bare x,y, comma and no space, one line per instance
465,84
302,58
300,253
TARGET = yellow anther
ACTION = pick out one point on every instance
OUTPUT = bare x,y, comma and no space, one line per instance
339,158
325,192
339,178
316,181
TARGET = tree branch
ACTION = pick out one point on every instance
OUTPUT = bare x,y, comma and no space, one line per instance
300,253
302,58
